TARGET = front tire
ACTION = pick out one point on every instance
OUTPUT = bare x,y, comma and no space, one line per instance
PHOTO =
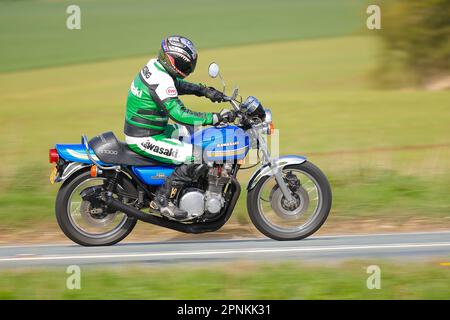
69,226
256,203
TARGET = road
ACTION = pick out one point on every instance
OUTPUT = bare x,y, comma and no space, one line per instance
332,248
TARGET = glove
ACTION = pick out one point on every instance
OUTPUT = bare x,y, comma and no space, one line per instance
213,94
225,116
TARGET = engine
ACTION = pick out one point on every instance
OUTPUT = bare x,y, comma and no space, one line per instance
198,202
218,177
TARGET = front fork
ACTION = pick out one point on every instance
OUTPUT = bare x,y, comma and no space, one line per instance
266,159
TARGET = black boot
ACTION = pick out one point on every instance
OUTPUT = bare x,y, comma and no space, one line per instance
183,174
163,203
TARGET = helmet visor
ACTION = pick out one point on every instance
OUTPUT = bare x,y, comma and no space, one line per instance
185,67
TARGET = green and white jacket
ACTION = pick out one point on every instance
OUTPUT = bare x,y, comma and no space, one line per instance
153,99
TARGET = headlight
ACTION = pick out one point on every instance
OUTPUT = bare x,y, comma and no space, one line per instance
250,105
253,108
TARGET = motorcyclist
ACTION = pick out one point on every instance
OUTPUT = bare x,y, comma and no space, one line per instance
153,99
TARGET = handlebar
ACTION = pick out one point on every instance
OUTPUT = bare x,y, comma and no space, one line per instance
227,98
236,106
232,101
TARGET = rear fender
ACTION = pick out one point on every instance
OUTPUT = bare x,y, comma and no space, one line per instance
69,170
77,158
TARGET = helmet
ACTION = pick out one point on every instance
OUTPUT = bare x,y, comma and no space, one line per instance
178,56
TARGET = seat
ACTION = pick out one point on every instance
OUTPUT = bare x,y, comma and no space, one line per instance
112,151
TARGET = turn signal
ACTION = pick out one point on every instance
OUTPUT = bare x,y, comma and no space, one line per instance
94,171
271,128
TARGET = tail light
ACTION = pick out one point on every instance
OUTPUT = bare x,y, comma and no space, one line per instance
53,156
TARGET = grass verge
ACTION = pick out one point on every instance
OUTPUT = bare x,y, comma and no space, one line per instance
238,281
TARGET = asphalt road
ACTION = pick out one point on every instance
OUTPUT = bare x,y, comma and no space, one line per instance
333,248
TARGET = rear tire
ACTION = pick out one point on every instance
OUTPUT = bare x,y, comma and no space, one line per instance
320,217
65,222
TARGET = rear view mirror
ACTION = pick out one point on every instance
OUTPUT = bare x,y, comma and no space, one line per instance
213,70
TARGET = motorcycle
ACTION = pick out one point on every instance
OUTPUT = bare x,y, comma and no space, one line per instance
106,187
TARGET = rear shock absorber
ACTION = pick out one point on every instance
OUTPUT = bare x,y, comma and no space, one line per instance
111,184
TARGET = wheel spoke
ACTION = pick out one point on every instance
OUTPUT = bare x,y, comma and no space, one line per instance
309,190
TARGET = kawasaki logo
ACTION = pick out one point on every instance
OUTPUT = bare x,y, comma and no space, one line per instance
159,175
135,91
173,153
228,144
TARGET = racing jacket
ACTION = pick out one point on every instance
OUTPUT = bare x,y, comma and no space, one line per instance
153,99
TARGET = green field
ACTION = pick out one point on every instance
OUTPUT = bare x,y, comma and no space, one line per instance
253,281
34,34
386,152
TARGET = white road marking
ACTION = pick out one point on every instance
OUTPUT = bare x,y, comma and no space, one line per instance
68,245
228,251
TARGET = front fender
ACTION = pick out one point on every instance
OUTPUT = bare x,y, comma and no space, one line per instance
277,164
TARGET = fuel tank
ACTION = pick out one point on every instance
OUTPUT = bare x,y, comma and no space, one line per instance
229,143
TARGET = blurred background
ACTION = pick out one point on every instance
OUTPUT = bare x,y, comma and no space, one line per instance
369,107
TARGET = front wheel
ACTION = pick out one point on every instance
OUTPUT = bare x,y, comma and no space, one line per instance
88,222
278,219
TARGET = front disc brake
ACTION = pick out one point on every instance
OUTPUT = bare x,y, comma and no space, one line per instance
285,210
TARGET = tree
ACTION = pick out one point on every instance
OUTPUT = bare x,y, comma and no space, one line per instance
415,41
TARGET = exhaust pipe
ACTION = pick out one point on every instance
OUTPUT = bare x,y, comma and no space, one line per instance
195,227
147,217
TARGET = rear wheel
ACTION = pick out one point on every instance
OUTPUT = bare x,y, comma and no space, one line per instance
280,220
90,222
